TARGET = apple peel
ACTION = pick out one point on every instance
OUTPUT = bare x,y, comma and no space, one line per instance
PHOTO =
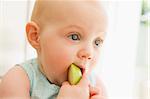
74,74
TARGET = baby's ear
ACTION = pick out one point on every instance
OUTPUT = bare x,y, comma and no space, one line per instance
33,35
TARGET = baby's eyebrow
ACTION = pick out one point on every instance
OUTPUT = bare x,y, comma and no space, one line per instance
83,30
74,26
102,36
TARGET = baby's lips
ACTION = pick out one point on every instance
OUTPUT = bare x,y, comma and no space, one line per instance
84,71
81,67
84,66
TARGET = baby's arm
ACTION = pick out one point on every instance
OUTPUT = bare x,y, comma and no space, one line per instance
15,84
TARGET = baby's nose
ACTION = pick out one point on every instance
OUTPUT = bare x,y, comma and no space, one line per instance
85,54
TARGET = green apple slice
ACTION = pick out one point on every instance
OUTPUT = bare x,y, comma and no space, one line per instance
74,74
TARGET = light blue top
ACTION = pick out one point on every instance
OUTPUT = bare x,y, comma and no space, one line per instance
40,87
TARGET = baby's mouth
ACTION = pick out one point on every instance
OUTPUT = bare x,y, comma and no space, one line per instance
75,73
81,68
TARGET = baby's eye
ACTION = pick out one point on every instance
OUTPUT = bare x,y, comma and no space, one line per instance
74,37
98,42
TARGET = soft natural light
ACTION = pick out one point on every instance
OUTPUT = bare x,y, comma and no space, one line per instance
117,67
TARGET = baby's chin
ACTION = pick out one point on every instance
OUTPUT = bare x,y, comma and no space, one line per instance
60,81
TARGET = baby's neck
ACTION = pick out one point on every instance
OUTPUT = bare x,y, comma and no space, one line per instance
48,79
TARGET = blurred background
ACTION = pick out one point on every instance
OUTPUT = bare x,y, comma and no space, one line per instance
124,64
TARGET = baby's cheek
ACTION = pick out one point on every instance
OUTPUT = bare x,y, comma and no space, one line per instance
59,62
64,57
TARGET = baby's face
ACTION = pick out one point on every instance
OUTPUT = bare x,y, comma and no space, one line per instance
75,35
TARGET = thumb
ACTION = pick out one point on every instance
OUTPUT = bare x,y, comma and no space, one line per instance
93,91
65,83
84,80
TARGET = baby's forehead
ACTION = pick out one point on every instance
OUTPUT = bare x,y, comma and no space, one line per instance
60,3
50,9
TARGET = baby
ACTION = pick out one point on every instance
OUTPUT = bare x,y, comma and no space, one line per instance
62,32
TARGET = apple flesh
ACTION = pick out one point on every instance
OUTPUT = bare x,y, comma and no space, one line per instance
74,74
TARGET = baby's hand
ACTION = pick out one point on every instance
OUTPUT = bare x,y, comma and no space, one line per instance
96,93
79,91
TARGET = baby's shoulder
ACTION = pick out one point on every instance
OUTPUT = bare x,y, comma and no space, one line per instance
15,83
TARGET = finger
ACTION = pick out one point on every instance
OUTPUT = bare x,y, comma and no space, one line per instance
100,85
65,83
98,97
84,80
93,90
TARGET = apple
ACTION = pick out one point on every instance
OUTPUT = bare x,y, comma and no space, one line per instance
74,74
